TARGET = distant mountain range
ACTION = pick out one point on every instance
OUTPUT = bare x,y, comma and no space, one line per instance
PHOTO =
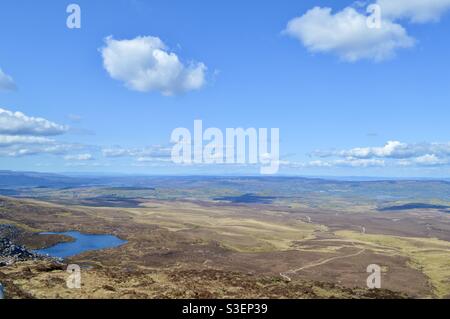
12,182
10,179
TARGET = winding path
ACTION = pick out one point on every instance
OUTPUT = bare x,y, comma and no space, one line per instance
285,276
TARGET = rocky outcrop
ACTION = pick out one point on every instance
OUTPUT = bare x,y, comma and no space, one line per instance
10,252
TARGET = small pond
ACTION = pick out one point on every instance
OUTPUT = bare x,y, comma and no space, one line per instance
82,243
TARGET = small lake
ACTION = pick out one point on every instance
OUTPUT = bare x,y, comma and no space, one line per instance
82,243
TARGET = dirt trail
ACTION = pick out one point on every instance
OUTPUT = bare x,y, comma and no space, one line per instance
286,274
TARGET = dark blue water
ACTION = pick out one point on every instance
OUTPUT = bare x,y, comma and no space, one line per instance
247,198
82,243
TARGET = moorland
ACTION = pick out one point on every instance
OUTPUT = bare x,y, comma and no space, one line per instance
229,237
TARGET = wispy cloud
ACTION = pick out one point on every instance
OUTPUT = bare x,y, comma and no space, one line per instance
156,151
349,162
50,148
6,82
8,140
75,118
79,157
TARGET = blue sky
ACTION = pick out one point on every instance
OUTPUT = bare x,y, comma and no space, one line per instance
345,103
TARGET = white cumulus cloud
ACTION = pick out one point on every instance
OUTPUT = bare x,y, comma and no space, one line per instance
17,123
392,149
417,11
145,64
347,35
426,160
23,135
393,153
